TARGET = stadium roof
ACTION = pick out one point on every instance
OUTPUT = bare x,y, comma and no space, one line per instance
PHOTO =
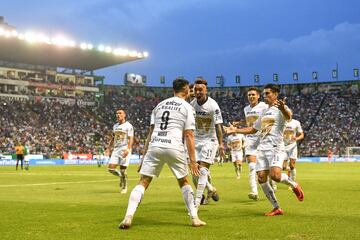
20,51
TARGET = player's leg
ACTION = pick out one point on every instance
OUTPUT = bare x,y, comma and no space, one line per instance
123,179
22,163
124,163
188,196
176,160
134,200
252,177
150,168
262,167
113,163
292,169
277,175
202,182
17,163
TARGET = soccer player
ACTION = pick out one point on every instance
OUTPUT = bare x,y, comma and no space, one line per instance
20,152
236,143
208,137
171,121
293,133
252,112
122,140
269,160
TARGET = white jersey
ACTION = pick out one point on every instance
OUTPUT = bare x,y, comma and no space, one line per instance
251,115
121,134
170,118
271,124
207,116
292,129
235,142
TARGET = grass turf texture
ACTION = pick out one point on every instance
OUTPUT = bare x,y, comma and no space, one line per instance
83,202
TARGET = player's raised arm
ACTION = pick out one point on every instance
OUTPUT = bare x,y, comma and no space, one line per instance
190,144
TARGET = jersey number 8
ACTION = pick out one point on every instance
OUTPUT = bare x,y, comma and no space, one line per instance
165,120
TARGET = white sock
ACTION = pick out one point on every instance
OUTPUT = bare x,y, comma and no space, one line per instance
195,180
269,193
288,181
135,199
293,174
188,196
115,172
201,184
252,178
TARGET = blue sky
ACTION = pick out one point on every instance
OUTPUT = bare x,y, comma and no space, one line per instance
207,38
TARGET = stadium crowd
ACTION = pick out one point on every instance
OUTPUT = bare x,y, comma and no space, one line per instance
330,121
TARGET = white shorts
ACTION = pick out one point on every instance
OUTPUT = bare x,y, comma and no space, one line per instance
206,151
156,157
290,152
116,157
267,159
251,145
236,156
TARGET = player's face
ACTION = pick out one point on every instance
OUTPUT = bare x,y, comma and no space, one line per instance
187,91
192,93
200,91
253,97
120,115
269,96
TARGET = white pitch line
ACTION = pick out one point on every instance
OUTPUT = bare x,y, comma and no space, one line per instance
54,183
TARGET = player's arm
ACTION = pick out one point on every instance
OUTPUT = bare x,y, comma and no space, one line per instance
239,123
146,144
130,145
110,145
299,137
285,110
232,129
219,135
190,144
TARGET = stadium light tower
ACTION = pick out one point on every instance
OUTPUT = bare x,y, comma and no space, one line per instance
237,79
220,80
256,78
162,80
356,73
334,73
275,77
295,76
315,75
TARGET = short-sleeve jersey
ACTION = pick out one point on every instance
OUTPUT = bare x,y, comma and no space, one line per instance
292,128
235,141
251,115
271,124
207,116
170,118
20,150
121,134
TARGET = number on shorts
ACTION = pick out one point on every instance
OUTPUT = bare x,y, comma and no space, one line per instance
165,120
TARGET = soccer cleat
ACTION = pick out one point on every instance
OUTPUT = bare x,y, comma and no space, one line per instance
238,177
253,196
196,222
123,191
214,195
299,192
274,212
126,223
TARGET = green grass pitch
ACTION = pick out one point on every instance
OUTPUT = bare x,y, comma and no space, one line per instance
84,202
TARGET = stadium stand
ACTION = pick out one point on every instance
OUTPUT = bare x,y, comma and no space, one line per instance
52,127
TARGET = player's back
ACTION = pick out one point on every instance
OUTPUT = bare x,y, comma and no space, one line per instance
170,118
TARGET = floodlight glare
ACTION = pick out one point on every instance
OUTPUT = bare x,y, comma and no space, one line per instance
101,48
146,54
14,33
124,52
90,46
133,54
83,46
108,49
140,55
